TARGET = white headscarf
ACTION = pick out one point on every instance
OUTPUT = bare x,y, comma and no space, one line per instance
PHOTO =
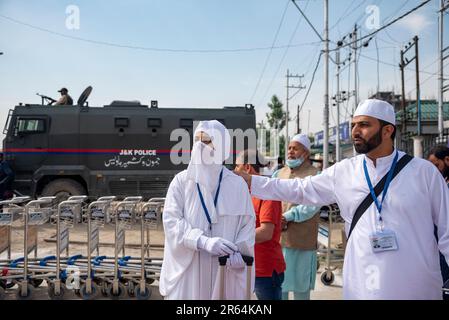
206,163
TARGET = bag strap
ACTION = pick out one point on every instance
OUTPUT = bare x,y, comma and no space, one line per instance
377,189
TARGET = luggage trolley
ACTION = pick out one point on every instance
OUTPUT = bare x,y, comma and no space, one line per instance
123,216
11,212
333,254
68,214
35,215
150,216
161,202
96,217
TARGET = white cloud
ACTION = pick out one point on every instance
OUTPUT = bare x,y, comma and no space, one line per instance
415,22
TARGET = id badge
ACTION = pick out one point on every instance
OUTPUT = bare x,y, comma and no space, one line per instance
383,241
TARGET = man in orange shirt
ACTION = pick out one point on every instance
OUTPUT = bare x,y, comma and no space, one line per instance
269,260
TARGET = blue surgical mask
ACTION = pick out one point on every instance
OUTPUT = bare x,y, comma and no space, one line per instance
294,163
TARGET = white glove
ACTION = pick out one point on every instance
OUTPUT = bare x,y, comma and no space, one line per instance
216,246
235,261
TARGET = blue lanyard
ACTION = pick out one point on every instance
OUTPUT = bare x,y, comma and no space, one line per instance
387,184
215,199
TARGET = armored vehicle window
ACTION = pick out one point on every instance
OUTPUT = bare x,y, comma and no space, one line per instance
186,123
154,122
30,125
121,122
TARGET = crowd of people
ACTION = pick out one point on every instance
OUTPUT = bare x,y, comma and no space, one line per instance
395,208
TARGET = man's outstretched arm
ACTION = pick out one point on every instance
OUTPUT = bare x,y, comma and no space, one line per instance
313,190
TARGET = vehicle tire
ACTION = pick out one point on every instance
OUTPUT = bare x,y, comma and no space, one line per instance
327,281
146,295
62,189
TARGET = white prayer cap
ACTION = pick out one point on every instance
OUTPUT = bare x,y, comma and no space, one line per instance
377,109
302,139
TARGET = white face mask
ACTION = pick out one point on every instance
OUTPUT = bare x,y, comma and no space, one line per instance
204,166
294,163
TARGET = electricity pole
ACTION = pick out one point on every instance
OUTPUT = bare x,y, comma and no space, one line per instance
444,5
417,140
356,92
337,102
299,87
326,86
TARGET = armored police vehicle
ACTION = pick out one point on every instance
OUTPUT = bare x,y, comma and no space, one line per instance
119,149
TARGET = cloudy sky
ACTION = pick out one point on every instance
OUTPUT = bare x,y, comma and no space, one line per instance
198,53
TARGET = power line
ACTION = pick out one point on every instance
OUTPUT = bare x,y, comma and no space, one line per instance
344,15
396,11
127,46
393,65
384,26
427,79
308,21
269,53
311,81
284,55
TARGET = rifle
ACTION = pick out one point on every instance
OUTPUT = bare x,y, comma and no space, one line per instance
49,99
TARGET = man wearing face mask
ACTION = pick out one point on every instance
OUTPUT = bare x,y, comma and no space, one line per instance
390,202
299,240
207,213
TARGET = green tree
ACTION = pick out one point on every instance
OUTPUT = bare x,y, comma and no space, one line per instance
276,120
276,117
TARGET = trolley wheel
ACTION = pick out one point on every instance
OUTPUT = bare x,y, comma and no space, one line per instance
104,289
131,289
10,284
143,296
102,286
326,280
36,282
89,296
119,294
52,294
150,280
28,295
2,293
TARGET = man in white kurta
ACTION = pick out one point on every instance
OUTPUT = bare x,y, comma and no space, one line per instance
192,243
417,199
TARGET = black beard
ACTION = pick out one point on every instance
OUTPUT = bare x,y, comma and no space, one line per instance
369,145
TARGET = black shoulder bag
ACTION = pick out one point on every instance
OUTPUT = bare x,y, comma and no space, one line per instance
377,190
